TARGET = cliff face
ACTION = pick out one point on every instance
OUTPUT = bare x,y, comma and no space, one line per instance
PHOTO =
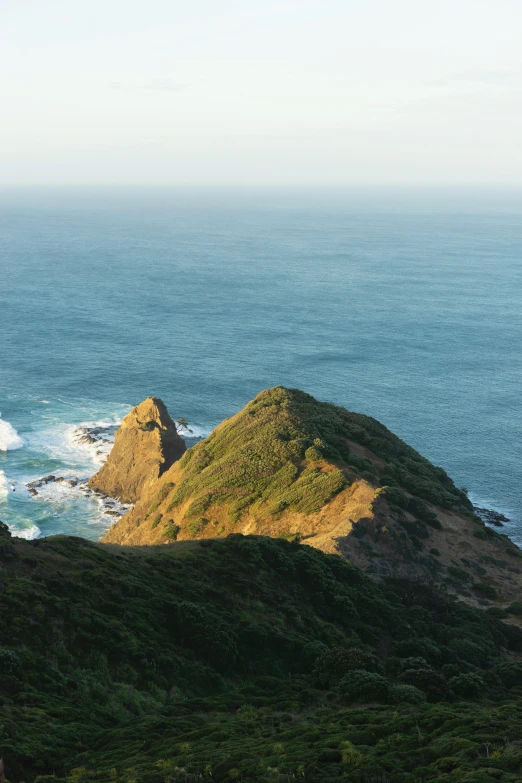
290,466
146,445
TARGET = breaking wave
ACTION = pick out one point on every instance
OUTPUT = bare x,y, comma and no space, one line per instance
9,438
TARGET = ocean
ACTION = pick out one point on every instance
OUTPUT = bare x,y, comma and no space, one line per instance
405,307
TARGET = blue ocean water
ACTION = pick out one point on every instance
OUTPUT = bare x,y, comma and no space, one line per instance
408,310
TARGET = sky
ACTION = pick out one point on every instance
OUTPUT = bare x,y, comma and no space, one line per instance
242,92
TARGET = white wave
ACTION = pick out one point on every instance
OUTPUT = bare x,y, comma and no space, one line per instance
4,486
193,431
86,445
9,438
29,533
68,489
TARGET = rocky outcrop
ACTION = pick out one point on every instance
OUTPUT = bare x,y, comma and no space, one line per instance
145,446
290,466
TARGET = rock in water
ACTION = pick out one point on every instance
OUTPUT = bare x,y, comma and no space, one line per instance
145,446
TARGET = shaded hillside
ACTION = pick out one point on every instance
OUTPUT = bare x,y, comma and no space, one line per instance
245,659
288,465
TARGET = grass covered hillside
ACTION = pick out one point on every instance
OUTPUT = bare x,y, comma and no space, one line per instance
245,659
290,466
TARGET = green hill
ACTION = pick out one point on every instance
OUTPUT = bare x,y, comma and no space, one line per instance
290,466
247,659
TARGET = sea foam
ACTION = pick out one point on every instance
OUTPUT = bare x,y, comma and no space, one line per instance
4,487
29,533
9,438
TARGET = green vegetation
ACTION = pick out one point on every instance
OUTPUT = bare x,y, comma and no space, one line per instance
248,659
171,530
282,449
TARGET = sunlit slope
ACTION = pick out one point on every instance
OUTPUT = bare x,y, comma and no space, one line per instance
290,466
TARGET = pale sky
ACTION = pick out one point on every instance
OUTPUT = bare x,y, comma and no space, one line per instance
244,92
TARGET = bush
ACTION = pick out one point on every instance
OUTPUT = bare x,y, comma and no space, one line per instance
467,685
431,682
157,519
421,648
406,694
9,660
171,530
459,574
332,665
395,496
488,591
361,685
515,608
412,663
312,454
510,673
196,526
420,510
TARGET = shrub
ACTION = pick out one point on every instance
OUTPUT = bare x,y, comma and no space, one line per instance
332,665
406,694
431,682
164,491
412,663
488,591
312,454
415,529
423,648
459,574
171,530
196,526
395,496
515,608
467,685
157,519
362,685
510,673
419,509
9,660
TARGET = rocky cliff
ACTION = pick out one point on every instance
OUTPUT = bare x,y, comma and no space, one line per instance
146,445
290,466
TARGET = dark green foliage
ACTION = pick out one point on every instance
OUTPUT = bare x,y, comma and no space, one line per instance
396,497
458,574
363,685
415,529
205,657
485,532
433,684
467,685
510,672
332,665
488,591
406,694
515,608
157,519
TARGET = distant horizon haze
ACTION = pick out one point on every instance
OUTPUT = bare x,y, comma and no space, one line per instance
301,94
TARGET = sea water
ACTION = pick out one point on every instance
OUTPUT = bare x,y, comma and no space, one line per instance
405,308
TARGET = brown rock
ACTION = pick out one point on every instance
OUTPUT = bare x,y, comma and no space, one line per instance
145,446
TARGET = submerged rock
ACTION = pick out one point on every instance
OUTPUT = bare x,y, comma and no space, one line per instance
146,444
491,517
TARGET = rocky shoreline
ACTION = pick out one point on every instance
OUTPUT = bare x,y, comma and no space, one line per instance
111,506
491,517
98,436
